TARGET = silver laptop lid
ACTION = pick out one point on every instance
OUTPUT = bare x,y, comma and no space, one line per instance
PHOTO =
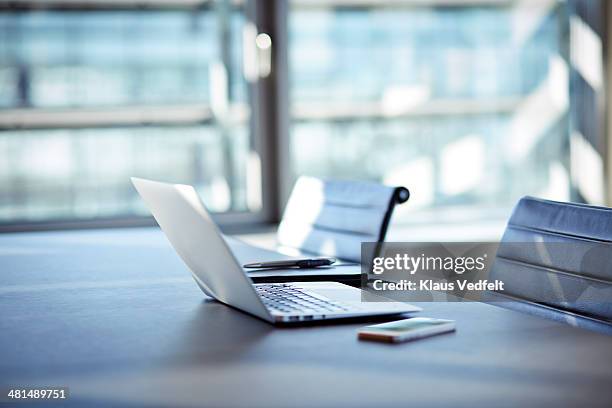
183,218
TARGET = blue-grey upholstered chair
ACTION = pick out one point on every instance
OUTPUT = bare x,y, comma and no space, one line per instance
333,217
561,266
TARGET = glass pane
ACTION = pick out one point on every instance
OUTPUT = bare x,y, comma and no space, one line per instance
464,104
105,64
82,173
99,58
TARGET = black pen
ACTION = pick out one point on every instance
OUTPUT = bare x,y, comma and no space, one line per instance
293,263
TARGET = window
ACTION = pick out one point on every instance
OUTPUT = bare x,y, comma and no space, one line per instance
463,102
92,93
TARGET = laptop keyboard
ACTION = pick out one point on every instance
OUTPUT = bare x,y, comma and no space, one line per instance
285,298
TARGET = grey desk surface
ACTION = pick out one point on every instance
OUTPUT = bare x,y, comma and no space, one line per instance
114,315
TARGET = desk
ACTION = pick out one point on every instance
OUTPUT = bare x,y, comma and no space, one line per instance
115,316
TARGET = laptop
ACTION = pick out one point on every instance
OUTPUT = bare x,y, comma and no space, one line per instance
188,226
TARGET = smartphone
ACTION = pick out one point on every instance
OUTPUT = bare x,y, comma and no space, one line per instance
406,330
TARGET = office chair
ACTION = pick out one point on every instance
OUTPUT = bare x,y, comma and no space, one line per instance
333,217
555,260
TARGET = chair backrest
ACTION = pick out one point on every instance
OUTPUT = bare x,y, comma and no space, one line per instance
555,260
333,217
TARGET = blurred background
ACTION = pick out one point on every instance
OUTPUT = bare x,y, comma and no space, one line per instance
471,104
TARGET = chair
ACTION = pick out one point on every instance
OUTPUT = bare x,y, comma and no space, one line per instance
555,260
333,217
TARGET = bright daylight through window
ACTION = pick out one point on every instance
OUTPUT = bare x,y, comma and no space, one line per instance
465,103
91,95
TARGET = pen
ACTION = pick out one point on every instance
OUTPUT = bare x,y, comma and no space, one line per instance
293,263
